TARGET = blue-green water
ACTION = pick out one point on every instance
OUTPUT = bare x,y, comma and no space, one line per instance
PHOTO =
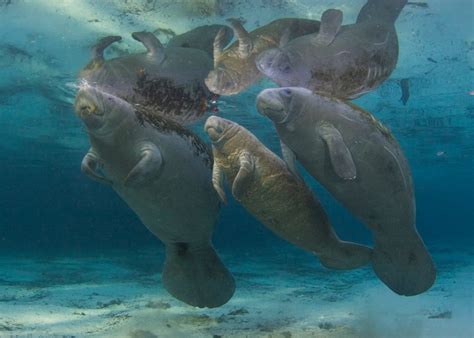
60,231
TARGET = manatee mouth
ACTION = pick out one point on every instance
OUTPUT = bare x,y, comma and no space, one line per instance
270,104
219,129
86,105
272,62
220,81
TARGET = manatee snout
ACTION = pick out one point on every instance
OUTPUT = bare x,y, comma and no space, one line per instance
221,82
214,128
273,62
271,104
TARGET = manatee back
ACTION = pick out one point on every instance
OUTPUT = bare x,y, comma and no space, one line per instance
202,38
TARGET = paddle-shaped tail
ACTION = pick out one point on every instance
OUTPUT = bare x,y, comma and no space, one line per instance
194,274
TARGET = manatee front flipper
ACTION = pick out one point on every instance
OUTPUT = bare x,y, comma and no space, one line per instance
331,22
290,158
153,45
101,45
194,274
245,41
218,182
341,158
243,177
403,262
90,166
343,255
147,168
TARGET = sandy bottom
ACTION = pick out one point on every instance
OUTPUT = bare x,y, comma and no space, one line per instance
279,294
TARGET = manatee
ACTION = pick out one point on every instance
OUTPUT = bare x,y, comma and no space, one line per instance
163,172
361,164
202,38
165,81
281,201
234,68
340,61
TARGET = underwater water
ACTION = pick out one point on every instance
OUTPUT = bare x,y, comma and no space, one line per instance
75,260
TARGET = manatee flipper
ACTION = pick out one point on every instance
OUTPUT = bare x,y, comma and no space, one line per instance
101,45
152,44
90,165
218,182
148,167
341,158
245,41
290,158
219,41
345,256
244,175
403,263
331,22
194,274
384,11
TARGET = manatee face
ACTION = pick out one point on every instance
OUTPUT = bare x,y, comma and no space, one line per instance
222,82
219,130
100,112
283,66
282,105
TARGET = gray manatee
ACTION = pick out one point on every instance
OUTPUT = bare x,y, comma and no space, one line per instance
361,164
163,172
202,38
340,61
164,81
234,67
280,200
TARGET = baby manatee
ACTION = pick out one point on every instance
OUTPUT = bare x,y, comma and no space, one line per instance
281,201
361,164
163,172
167,81
339,61
234,68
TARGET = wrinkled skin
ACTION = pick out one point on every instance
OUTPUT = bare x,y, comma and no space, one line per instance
361,164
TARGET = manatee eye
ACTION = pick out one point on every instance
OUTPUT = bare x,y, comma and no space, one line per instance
287,92
286,69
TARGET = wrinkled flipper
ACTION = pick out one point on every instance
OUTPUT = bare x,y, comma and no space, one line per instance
341,158
244,175
218,182
331,22
152,44
218,46
383,11
101,45
90,165
346,256
147,168
403,263
195,275
290,158
245,41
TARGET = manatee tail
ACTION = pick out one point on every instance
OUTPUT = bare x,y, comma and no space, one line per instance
403,264
381,10
346,256
194,274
